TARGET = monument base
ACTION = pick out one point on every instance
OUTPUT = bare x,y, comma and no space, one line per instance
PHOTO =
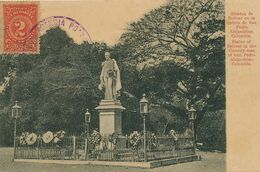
110,119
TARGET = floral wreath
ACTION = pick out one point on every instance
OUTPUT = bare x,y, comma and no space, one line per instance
135,139
58,136
153,140
113,138
27,139
95,138
173,134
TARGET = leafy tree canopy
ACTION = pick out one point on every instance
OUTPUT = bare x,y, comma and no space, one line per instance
179,52
55,87
175,54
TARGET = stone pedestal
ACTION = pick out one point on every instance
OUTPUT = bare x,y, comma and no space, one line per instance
110,120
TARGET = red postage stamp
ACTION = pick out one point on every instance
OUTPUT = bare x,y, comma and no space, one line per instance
19,21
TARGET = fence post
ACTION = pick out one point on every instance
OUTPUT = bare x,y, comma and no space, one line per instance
14,139
74,147
86,149
38,151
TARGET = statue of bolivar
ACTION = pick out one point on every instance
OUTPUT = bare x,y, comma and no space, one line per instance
110,78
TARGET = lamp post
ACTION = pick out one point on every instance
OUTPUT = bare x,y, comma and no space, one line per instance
144,112
16,111
87,122
192,117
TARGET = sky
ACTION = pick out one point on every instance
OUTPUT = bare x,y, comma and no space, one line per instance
104,20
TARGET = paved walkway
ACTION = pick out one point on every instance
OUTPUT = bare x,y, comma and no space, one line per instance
211,162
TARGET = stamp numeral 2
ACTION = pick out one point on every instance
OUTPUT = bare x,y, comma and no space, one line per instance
19,21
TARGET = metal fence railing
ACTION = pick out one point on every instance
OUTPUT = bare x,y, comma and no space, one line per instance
40,150
78,148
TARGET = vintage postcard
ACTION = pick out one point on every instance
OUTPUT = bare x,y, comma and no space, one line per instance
129,85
